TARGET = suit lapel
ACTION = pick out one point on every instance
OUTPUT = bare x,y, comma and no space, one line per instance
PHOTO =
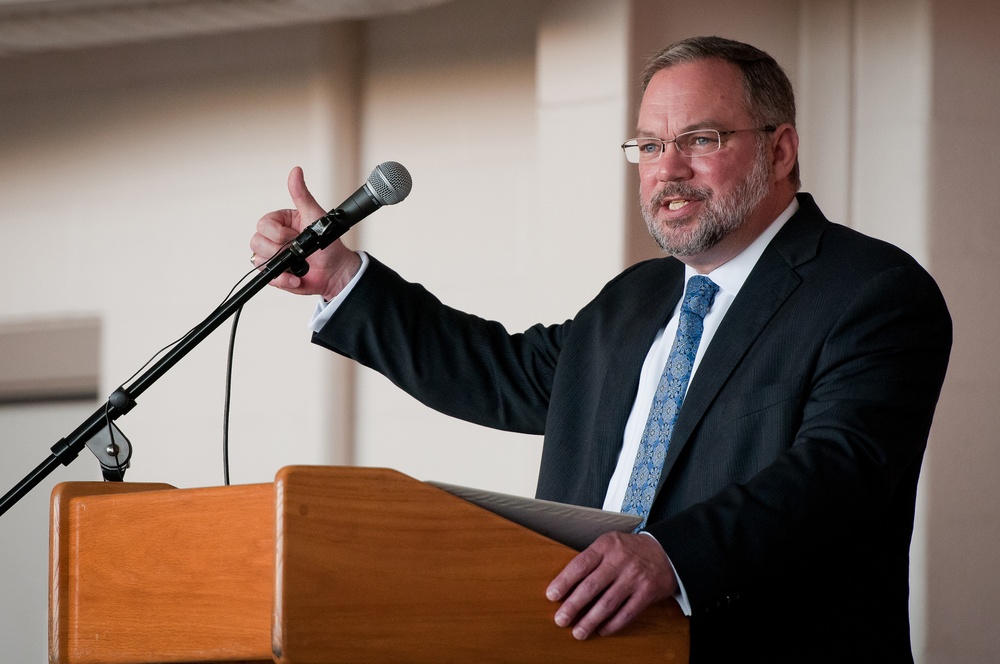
651,307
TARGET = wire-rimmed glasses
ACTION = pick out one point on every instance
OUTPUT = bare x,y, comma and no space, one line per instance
698,143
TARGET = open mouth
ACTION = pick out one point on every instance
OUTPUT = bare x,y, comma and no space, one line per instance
677,204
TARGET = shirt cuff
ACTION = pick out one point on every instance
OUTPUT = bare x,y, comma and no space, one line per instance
325,310
681,595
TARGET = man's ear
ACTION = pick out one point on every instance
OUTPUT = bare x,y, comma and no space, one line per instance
785,151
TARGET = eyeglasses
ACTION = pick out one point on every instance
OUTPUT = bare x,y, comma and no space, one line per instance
697,143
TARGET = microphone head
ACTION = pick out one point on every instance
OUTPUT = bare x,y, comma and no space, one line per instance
390,182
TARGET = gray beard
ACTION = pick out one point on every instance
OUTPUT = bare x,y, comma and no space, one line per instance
720,217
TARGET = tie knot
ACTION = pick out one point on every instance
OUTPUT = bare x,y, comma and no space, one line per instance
699,295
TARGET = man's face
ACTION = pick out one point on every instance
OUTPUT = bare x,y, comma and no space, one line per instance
690,204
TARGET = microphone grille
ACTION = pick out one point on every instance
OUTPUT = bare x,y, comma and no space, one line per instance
390,182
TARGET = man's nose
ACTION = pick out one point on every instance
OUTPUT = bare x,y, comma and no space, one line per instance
672,165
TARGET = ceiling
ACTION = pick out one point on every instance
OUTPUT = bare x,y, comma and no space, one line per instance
33,26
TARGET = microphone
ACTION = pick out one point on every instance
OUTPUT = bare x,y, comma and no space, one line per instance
388,184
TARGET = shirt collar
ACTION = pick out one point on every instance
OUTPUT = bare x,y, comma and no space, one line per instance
731,275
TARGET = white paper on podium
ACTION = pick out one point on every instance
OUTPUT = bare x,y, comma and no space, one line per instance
576,527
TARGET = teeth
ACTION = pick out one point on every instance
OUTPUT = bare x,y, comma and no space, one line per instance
676,205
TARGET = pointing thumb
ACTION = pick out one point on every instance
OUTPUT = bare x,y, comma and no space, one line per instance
309,210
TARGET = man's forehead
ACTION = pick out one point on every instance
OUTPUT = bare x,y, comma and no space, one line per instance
705,93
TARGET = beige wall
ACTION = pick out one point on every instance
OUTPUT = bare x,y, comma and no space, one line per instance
963,206
130,179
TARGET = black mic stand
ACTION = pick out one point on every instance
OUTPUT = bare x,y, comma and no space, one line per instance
96,431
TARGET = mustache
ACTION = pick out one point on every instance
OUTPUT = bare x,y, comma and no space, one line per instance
680,190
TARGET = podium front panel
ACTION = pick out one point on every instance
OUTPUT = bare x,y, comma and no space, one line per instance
374,566
149,573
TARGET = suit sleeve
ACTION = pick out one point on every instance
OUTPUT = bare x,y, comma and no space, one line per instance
459,364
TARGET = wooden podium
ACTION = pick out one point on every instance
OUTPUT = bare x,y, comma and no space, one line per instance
325,565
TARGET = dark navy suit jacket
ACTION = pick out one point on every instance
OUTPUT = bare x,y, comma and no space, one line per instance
786,501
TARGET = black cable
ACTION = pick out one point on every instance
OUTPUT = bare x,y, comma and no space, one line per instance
229,376
229,390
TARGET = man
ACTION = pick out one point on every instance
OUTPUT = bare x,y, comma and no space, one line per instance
778,500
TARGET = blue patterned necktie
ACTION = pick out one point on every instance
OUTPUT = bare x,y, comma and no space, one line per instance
668,398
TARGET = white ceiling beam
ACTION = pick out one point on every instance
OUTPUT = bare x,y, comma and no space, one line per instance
32,26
